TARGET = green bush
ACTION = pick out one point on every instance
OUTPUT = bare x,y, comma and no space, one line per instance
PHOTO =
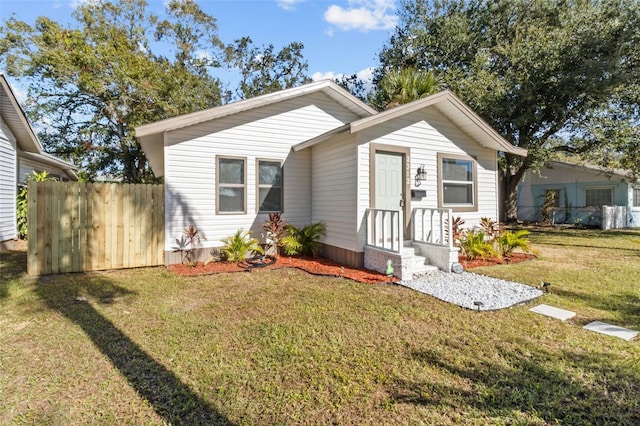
509,241
304,241
237,246
474,244
22,199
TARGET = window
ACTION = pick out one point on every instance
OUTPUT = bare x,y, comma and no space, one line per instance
636,197
596,197
269,186
231,192
457,182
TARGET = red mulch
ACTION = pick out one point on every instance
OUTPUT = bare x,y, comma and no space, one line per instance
318,266
514,258
322,266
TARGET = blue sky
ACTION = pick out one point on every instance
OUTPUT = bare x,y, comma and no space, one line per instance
339,36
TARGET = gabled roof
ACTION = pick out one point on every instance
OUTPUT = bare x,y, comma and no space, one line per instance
445,102
151,137
589,167
15,118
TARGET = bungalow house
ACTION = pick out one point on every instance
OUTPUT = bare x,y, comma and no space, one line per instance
20,154
386,185
576,193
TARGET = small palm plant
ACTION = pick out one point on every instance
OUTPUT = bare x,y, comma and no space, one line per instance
304,241
474,244
239,245
509,241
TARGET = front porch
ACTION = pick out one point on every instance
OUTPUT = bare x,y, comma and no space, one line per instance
430,246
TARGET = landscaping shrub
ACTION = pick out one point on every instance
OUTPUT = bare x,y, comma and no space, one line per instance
474,244
304,241
239,245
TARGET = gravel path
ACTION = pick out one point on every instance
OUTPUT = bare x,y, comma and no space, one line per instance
466,288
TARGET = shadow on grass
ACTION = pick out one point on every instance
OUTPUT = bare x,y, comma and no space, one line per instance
171,399
13,265
533,382
627,304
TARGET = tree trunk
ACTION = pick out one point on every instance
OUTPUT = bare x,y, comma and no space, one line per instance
510,191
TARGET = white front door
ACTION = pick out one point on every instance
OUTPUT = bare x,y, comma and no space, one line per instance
389,195
388,180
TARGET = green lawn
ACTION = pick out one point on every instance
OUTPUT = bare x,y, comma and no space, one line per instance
284,347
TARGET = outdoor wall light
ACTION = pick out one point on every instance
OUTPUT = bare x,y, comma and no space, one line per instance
421,174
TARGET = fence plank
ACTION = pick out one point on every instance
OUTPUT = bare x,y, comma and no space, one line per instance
81,227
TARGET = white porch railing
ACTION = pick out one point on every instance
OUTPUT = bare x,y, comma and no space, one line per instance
384,229
432,226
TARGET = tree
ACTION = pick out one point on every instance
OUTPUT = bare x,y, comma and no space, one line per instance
96,81
263,70
402,86
119,66
533,69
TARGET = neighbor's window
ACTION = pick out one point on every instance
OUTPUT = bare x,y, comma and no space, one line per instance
596,197
457,178
636,197
269,186
231,189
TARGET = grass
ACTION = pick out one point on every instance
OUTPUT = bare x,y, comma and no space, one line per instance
284,347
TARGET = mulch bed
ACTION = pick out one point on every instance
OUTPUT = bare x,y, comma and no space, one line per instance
316,266
322,266
514,258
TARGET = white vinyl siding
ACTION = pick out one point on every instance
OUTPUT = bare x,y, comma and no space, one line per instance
268,132
427,134
334,191
8,183
28,166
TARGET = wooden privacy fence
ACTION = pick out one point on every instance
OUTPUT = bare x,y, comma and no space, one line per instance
75,227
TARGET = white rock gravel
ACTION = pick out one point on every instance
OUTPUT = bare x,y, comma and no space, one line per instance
466,288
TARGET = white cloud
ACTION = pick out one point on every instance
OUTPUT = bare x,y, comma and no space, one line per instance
363,15
77,3
288,4
366,75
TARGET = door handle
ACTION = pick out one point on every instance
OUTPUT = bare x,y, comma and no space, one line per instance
402,202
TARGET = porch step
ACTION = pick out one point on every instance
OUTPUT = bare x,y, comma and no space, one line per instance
418,263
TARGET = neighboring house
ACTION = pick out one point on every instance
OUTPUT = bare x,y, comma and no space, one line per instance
576,194
20,154
379,181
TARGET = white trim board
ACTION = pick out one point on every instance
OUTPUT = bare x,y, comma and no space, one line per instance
553,312
611,330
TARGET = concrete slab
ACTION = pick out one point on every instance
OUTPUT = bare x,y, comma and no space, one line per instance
611,330
553,312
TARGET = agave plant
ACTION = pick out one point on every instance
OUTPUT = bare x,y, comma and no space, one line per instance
304,241
239,245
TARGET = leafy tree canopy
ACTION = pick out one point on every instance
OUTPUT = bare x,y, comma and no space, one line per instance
118,66
535,70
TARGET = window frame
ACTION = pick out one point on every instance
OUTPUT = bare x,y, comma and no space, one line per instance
599,188
635,197
473,207
227,185
259,185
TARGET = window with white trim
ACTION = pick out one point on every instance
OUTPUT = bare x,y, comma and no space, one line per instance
596,197
269,177
231,189
457,182
636,197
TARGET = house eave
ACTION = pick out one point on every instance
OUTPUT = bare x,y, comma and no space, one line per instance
454,109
